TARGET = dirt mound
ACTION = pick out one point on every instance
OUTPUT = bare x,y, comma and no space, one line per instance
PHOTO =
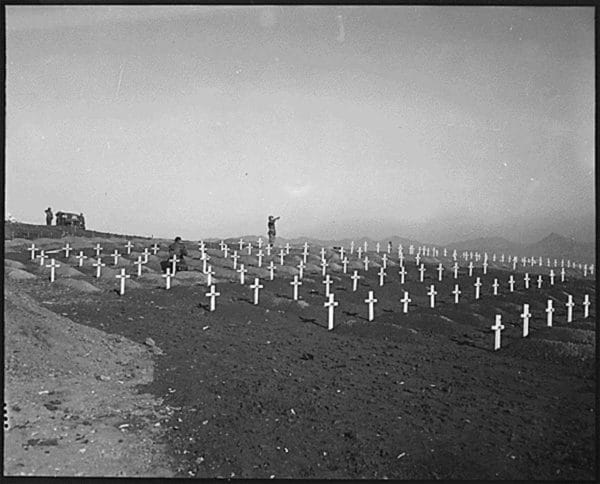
17,244
579,336
158,280
193,276
78,285
560,352
13,264
19,275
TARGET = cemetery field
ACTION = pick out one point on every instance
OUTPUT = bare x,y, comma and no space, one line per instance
263,390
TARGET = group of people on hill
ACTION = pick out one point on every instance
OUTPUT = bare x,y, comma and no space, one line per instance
50,217
178,249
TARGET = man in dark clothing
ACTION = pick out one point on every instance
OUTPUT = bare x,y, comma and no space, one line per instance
82,221
49,216
271,229
178,249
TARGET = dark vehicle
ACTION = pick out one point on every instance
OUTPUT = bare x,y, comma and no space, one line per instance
70,219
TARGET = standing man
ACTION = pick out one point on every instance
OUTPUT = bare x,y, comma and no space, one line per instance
178,249
271,229
82,221
49,216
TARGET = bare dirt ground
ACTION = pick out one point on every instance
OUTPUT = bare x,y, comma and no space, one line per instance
261,391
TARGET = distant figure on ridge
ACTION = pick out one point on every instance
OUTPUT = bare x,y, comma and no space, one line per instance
271,226
82,221
49,216
178,249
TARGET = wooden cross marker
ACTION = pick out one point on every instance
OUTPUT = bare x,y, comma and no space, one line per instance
432,293
242,271
562,274
562,262
67,248
411,249
174,260
365,245
98,265
586,306
146,254
53,265
405,300
116,256
551,277
301,269
525,317
477,287
128,246
455,269
209,274
495,285
454,255
226,251
259,254
527,279
401,259
345,265
494,257
281,256
235,258
456,293
359,252
205,258
241,242
355,277
98,249
418,258
549,311
249,249
384,260
306,247
296,283
371,301
155,248
377,247
585,270
352,247
592,269
366,262
502,258
80,258
256,286
331,304
221,245
327,283
167,275
322,253
139,264
548,262
400,250
569,263
268,249
402,273
260,242
485,266
212,295
471,269
539,282
497,328
570,305
287,249
440,270
201,246
122,277
389,248
422,271
324,266
271,270
382,275
42,256
540,261
514,264
445,252
511,283
32,250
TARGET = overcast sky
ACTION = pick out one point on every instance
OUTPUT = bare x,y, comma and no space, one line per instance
437,123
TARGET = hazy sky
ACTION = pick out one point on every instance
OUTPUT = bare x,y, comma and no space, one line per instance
437,123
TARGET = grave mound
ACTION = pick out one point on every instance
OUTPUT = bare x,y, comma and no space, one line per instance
579,336
157,279
259,272
78,285
67,271
13,264
559,352
194,276
287,270
20,275
16,244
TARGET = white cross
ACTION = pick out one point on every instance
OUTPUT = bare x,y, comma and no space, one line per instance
123,277
514,262
497,328
306,247
549,311
440,269
485,266
540,261
221,245
268,249
249,248
389,247
259,254
32,250
377,247
256,286
296,283
139,264
527,280
345,265
445,252
167,276
400,250
569,263
555,262
539,281
405,300
365,245
212,295
384,260
570,305
241,242
301,269
53,265
495,285
327,283
454,254
359,252
324,266
382,275
494,257
562,262
98,249
235,258
511,283
411,249
551,277
355,277
146,254
352,247
98,265
422,271
417,259
242,271
470,268
209,274
502,258
455,269
592,269
562,274
366,262
205,258
155,248
287,249
585,270
281,256
174,260
525,317
226,250
402,273
477,287
431,293
401,259
260,242
370,301
67,248
586,306
331,304
42,256
201,246
322,253
116,256
128,246
271,269
80,258
456,293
